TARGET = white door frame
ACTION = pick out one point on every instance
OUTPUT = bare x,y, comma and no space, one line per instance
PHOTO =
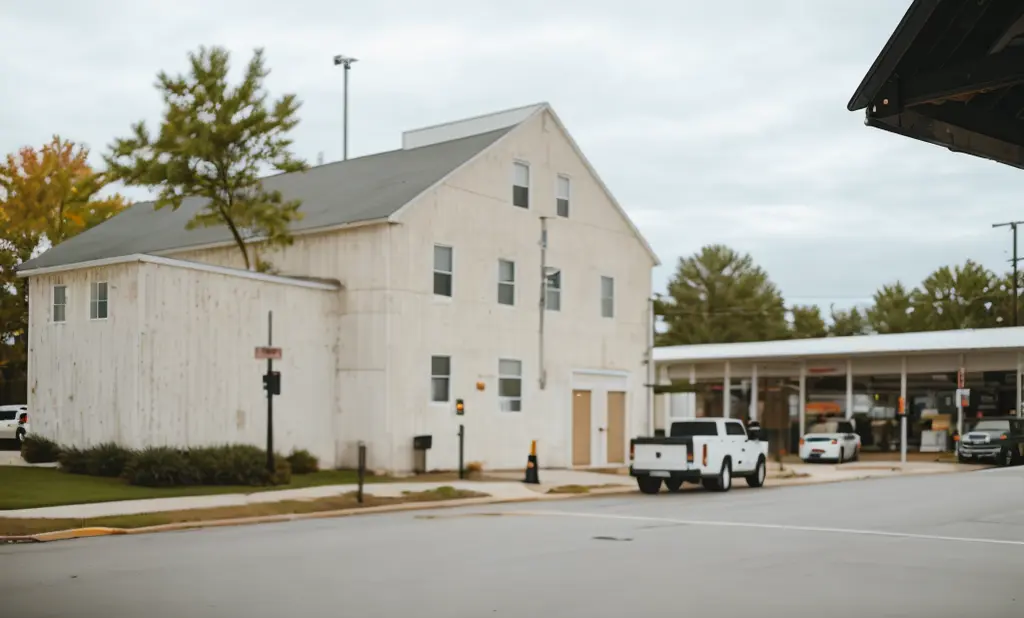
598,382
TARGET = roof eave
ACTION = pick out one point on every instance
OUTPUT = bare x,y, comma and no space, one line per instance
899,42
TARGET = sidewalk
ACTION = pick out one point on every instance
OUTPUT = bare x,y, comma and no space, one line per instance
501,490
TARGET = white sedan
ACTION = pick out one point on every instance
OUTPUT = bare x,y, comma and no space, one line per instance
830,441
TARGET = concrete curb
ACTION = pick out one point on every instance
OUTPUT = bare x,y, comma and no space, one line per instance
79,533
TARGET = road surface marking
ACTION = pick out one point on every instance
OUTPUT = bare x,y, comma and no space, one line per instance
737,524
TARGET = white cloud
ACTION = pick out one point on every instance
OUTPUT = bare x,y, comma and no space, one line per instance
711,122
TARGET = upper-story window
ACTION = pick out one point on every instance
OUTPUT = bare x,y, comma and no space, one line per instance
562,196
506,282
521,185
553,290
443,270
60,303
98,300
607,297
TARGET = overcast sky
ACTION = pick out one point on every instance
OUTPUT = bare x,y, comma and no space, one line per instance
711,122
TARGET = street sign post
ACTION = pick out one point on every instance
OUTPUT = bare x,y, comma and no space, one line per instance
963,396
960,377
271,384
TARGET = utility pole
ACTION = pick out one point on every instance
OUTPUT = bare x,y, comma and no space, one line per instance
1013,226
346,62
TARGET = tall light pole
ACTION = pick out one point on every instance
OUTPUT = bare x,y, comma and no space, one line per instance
1013,226
346,62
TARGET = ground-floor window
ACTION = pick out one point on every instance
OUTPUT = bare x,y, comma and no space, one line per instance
440,378
510,385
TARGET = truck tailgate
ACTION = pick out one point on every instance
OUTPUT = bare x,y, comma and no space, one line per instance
658,455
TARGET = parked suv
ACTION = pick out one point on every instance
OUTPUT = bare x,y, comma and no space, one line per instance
993,439
13,423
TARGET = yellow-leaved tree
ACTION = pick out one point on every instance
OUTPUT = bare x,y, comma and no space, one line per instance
47,195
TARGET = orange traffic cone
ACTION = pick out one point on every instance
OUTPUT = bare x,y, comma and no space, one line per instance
532,475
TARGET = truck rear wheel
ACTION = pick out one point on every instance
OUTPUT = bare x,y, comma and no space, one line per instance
674,485
722,482
648,484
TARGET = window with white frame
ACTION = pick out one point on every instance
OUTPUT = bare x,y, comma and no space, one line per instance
60,303
510,385
562,197
607,297
98,300
506,282
521,185
443,269
440,378
553,290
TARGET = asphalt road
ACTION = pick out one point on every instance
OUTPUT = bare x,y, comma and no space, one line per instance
934,546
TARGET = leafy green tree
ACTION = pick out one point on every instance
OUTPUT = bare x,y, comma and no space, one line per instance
1002,304
965,296
893,310
720,296
807,322
846,323
214,143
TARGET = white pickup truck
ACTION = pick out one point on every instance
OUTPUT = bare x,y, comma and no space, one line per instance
707,450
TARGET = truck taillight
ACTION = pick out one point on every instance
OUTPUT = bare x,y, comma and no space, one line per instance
689,457
705,455
1004,437
632,451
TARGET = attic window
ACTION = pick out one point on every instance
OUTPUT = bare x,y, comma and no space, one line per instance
562,197
521,186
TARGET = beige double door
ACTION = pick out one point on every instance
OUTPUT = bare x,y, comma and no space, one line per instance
607,438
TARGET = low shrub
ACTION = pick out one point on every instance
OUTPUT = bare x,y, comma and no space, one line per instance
107,459
161,466
303,462
37,449
74,460
230,464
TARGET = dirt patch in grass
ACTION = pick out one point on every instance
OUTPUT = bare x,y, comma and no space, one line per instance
21,527
570,489
790,474
581,489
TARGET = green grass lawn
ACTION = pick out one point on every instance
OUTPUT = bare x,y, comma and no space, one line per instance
25,488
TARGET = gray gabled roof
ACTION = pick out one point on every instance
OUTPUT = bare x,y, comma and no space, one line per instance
363,189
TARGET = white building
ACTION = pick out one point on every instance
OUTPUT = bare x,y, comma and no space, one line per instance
414,280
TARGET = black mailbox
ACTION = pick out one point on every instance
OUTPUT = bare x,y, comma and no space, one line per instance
422,443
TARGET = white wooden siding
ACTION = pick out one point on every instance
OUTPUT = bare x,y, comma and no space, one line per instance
173,364
473,213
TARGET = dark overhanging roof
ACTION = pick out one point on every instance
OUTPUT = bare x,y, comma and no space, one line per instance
370,188
952,74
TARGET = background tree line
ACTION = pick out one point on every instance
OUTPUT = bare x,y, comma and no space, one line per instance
215,141
719,295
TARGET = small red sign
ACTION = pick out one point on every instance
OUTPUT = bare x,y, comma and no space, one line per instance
268,353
